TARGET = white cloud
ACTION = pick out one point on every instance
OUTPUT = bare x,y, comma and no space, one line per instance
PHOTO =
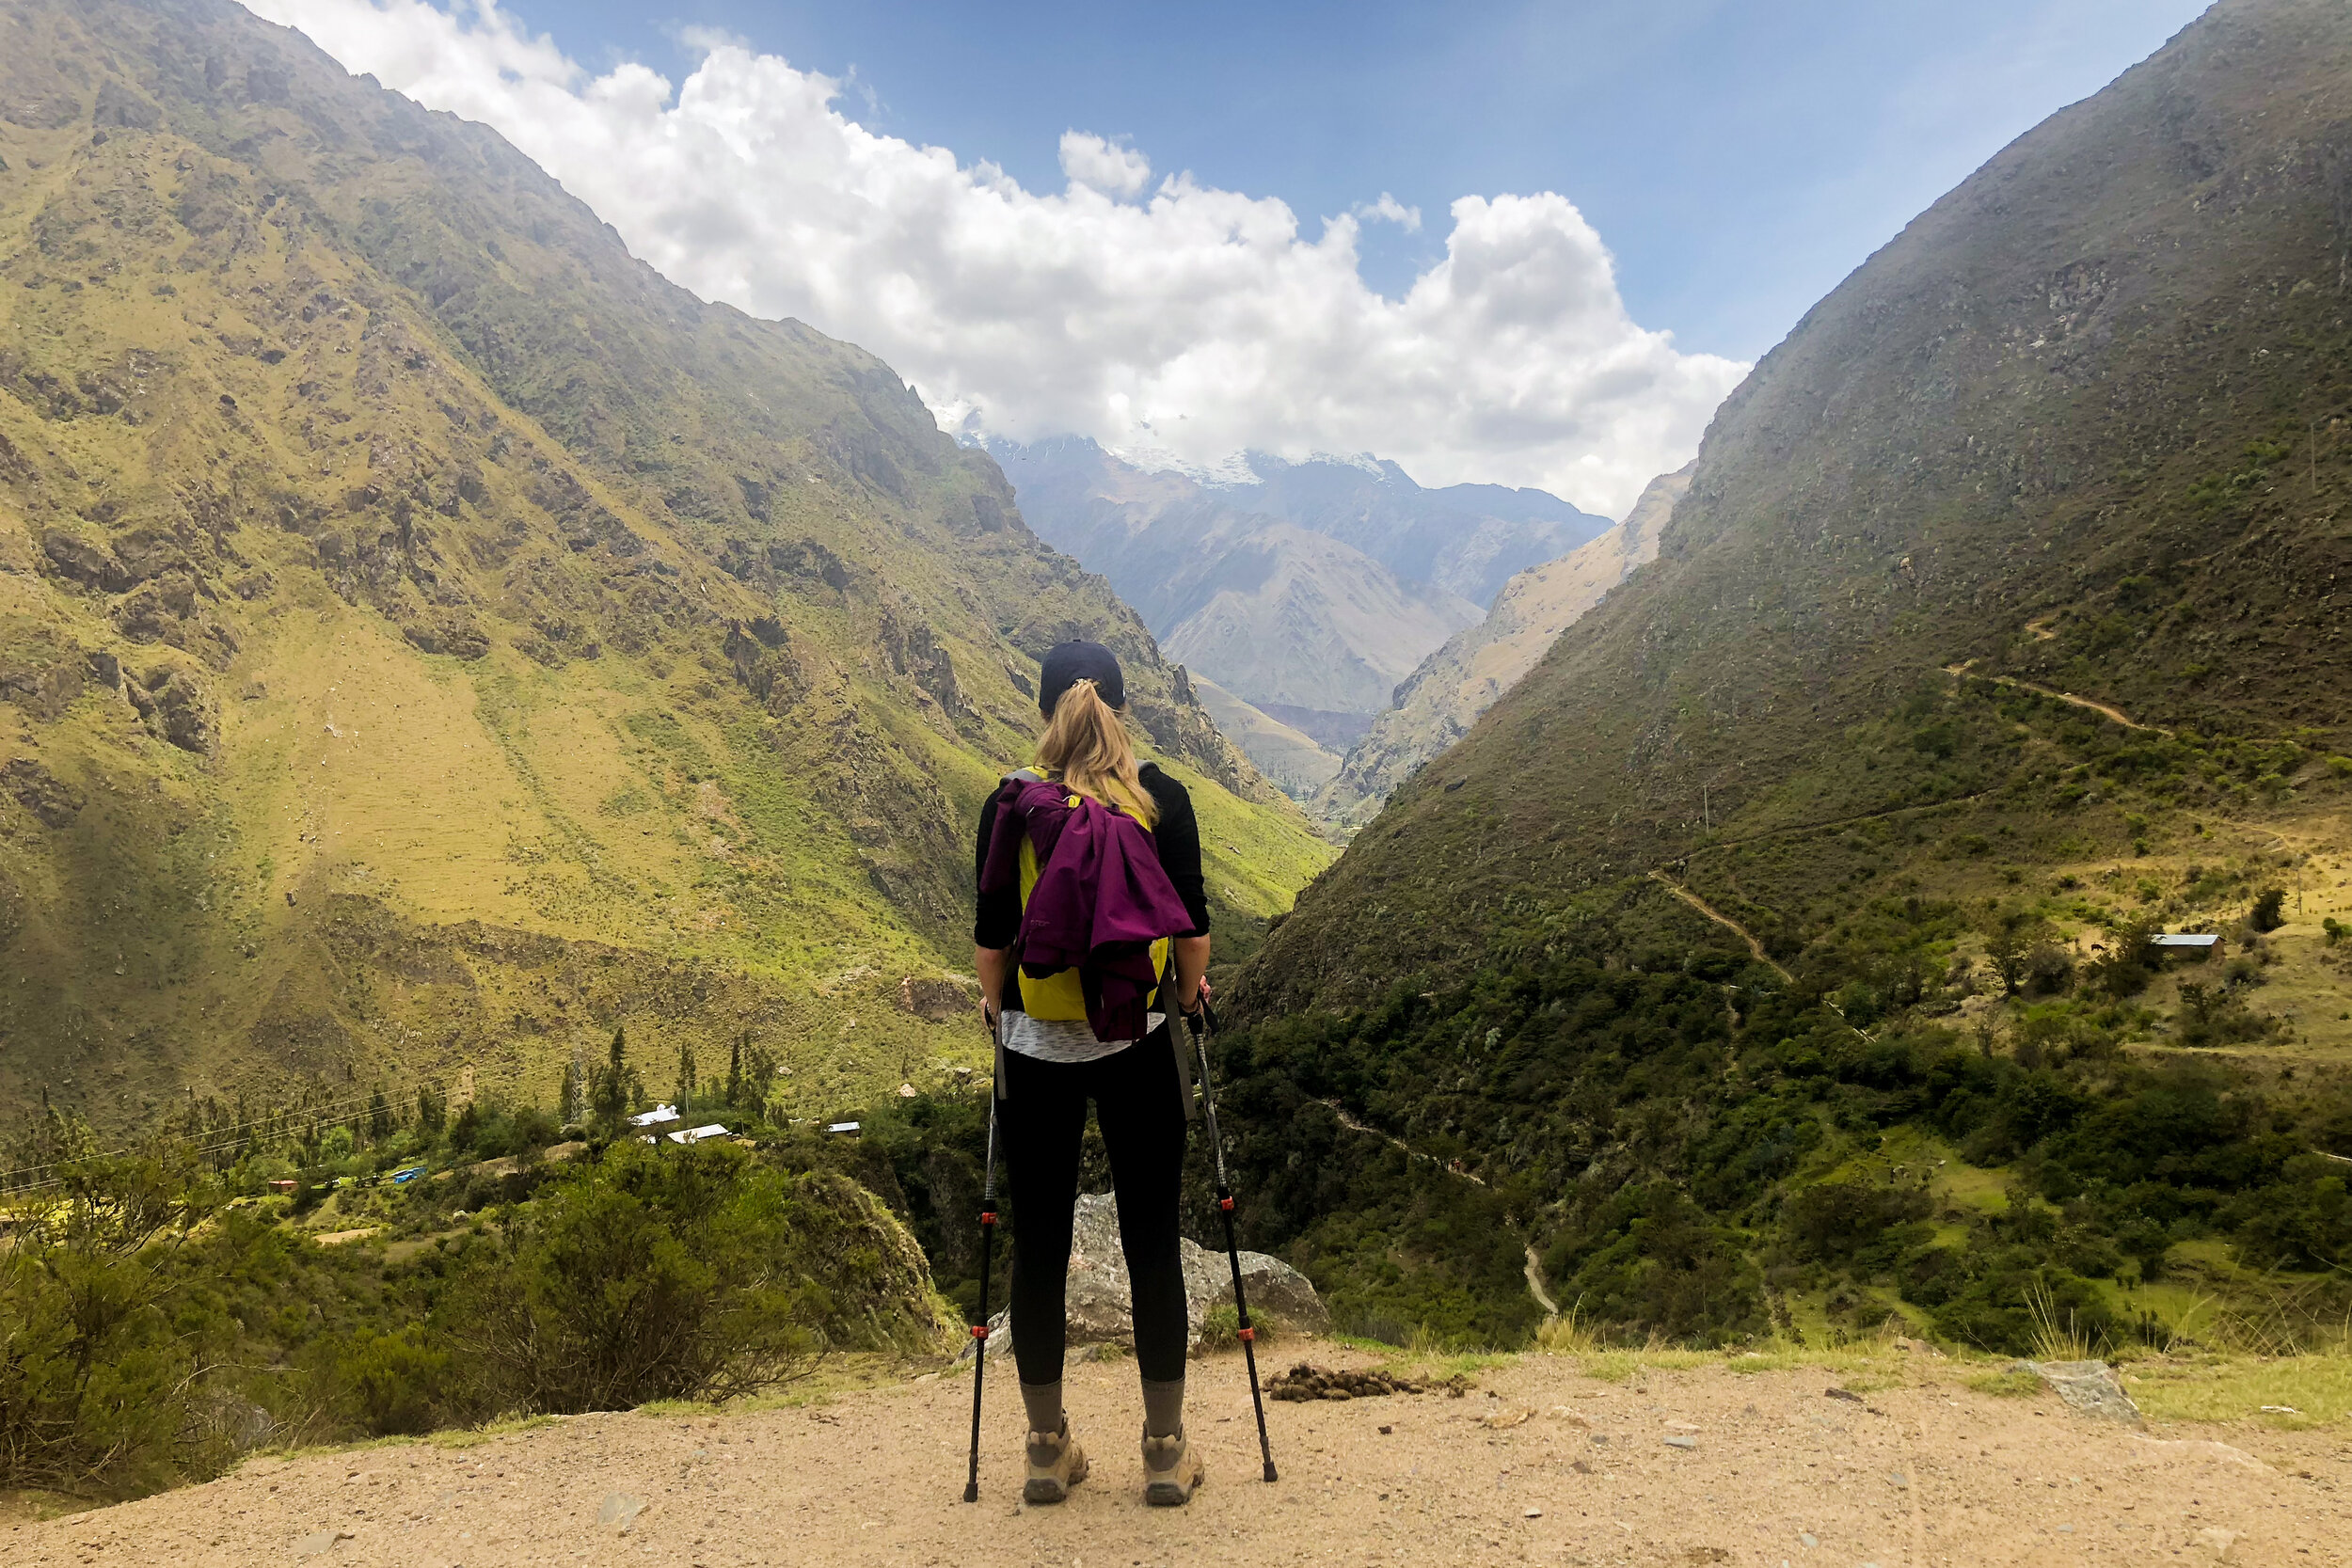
1098,164
1390,210
1195,320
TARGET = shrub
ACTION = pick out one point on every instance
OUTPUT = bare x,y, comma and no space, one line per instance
98,1388
669,1275
2268,913
1839,1219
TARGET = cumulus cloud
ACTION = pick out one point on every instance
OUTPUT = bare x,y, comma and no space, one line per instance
1100,165
1191,320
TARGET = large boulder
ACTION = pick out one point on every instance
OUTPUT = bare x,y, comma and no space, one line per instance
1101,1306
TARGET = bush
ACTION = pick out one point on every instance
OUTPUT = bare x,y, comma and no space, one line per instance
1838,1219
399,1383
2268,913
672,1275
98,1387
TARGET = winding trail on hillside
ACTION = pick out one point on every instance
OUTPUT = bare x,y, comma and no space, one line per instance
1535,1286
1394,1142
2104,710
1724,920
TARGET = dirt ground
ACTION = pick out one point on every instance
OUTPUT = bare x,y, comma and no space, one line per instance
1540,1464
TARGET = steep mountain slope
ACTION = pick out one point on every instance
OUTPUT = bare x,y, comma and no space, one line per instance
1272,611
1437,704
1777,944
1294,761
2072,426
427,636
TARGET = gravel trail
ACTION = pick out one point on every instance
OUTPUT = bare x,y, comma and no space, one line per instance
1540,1464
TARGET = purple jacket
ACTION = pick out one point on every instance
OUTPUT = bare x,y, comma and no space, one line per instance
1100,902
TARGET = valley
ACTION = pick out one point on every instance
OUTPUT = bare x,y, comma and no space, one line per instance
490,743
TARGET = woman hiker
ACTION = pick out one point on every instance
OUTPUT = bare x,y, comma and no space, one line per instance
1096,831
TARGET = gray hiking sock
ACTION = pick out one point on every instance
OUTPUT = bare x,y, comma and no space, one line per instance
1044,1400
1163,1408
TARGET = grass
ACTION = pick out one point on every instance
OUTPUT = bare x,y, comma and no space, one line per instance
2057,1336
2010,1386
2235,1388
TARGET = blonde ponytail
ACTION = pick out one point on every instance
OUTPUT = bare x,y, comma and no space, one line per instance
1086,746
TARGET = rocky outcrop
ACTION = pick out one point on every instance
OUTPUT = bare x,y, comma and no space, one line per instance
1102,1307
55,802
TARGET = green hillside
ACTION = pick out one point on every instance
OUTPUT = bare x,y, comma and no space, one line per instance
427,637
1770,954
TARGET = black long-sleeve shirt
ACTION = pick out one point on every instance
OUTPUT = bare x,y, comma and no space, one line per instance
1176,836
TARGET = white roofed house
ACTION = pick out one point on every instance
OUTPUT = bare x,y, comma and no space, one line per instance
691,1135
660,1116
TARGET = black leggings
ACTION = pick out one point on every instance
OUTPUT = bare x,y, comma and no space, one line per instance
1043,1115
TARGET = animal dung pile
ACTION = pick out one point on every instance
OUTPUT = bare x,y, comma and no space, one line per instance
1308,1381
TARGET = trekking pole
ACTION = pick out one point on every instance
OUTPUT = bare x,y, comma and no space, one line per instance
1196,1022
979,1330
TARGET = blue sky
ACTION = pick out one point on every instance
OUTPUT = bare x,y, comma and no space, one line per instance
1522,244
1739,158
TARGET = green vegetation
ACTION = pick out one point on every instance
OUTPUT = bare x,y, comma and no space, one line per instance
165,1318
396,680
1775,959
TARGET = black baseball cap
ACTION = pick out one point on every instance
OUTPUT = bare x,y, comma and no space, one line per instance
1069,662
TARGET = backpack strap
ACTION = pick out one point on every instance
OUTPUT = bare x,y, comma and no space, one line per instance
1000,1089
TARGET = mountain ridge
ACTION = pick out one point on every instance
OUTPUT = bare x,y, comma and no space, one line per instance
430,637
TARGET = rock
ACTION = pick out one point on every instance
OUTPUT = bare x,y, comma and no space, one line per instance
2217,1540
620,1509
92,565
940,1000
1680,1442
319,1543
1101,1306
41,792
2090,1386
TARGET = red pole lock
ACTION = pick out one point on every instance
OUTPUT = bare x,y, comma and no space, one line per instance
1249,1334
980,1331
987,1217
1226,1204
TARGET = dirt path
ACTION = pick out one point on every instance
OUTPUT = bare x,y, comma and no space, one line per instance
1535,1286
1349,1121
2103,709
1724,920
1571,1471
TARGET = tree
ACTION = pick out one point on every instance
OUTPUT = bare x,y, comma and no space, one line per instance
685,1075
432,1111
2005,949
735,1073
568,1100
2268,913
379,1116
613,1089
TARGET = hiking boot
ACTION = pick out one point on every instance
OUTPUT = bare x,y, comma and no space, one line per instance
1170,1471
1057,1463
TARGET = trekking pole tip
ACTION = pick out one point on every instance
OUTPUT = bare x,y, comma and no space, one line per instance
1269,1471
972,1489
